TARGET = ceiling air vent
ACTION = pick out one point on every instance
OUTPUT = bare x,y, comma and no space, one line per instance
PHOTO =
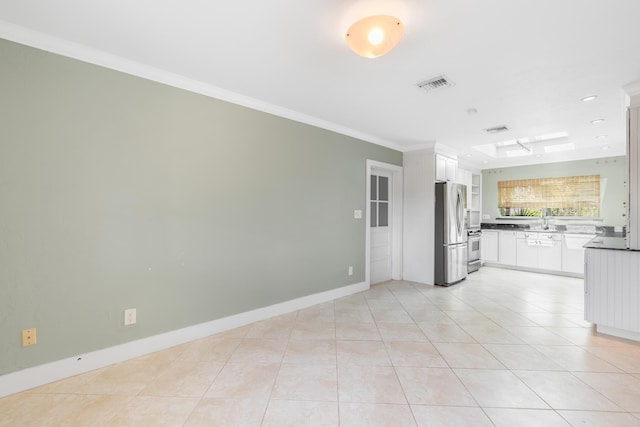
434,83
497,129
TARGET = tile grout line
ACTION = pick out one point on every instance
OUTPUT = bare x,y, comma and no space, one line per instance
395,370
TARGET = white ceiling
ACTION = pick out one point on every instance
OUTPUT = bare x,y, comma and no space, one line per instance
524,64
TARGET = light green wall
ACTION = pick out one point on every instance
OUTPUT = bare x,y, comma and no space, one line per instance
612,169
119,192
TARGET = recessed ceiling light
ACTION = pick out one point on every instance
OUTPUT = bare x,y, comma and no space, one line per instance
472,111
604,147
593,122
468,155
589,98
601,136
538,155
485,161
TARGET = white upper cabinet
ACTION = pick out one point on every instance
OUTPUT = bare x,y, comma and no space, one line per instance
441,168
451,169
446,168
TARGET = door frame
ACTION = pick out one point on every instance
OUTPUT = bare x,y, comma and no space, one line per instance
396,218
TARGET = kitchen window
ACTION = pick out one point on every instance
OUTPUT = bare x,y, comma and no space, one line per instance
572,196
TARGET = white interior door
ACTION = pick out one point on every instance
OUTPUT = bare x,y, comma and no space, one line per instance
381,223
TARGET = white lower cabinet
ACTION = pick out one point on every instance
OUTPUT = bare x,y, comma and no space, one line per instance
526,256
489,246
535,250
550,257
539,250
573,252
507,247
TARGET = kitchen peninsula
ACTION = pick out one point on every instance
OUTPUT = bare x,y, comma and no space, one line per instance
612,287
612,265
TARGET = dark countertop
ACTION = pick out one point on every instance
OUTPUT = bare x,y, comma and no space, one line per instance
605,231
603,242
607,237
510,226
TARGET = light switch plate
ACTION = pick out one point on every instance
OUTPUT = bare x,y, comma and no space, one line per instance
357,214
130,316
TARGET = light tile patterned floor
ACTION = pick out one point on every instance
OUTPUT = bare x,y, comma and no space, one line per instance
502,348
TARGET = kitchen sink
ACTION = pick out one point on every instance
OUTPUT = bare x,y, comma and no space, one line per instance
549,228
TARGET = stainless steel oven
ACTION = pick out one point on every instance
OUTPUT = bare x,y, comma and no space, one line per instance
473,249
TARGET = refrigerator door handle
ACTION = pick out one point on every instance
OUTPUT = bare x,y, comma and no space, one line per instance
459,213
454,245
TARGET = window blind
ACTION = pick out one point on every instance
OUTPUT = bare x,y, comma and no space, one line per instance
579,192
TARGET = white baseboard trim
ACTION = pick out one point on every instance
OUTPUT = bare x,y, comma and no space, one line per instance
533,270
620,333
49,372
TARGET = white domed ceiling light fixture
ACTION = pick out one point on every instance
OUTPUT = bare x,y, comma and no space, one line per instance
374,36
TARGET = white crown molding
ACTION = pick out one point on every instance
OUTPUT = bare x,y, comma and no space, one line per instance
424,146
632,89
54,371
84,53
632,94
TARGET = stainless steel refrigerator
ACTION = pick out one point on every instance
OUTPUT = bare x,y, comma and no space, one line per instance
450,233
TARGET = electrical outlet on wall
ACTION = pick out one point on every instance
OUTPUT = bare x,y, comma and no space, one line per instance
29,337
130,316
350,270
